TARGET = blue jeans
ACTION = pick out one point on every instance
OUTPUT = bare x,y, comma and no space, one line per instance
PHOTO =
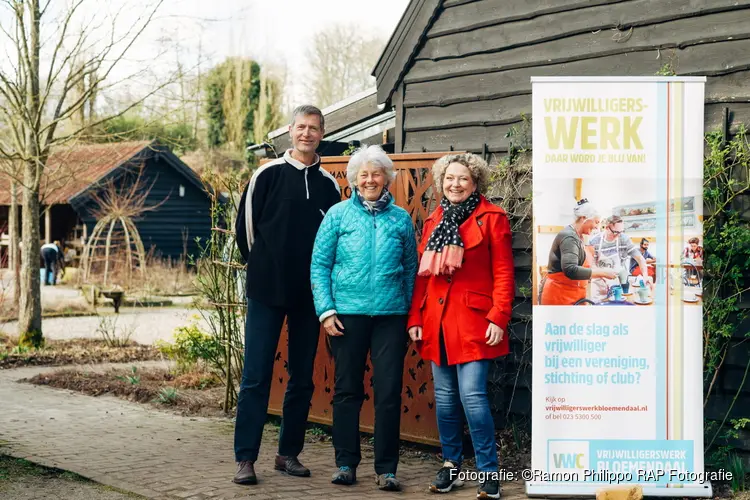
466,383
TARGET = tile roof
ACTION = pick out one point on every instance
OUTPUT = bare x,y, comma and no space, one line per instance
71,170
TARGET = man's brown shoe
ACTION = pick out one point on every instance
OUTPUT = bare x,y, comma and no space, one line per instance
245,473
291,466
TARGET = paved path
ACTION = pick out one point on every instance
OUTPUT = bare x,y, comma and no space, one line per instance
164,456
148,324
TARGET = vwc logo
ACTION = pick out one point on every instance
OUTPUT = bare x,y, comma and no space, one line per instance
568,455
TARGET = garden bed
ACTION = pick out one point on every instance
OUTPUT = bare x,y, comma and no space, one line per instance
194,393
75,351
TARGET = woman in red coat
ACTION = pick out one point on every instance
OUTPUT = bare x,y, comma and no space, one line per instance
460,311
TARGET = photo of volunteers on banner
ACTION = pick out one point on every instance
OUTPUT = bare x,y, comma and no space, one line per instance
617,246
617,285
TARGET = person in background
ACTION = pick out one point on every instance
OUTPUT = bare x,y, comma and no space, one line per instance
460,311
54,260
693,256
635,268
363,269
693,251
278,217
613,249
570,267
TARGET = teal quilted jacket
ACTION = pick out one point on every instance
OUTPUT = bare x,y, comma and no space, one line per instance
363,263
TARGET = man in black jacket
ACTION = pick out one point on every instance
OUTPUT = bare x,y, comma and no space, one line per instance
278,218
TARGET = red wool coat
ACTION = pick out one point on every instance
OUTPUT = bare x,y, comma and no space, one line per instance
478,293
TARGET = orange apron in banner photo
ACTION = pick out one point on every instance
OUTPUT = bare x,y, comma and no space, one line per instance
559,290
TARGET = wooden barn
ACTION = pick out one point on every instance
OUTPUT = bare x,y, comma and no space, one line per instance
457,75
457,72
75,176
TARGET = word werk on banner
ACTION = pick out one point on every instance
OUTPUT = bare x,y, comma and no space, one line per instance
617,130
563,358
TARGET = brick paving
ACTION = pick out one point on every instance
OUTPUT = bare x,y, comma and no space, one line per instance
162,456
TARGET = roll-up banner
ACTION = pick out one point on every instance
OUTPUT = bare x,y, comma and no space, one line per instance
618,275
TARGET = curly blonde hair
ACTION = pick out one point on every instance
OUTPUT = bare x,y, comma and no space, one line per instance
480,171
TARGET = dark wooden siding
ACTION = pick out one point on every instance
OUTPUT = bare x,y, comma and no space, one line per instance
164,228
468,84
470,78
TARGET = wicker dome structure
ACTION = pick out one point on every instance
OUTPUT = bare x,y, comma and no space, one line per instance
114,251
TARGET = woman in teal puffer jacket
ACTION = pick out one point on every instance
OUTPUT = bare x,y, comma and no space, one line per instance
363,269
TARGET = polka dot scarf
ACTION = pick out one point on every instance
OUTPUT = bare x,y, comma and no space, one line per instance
445,250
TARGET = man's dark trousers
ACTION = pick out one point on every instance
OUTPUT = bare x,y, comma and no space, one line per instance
262,331
50,265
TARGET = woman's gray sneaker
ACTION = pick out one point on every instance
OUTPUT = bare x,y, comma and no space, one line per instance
345,475
388,482
447,478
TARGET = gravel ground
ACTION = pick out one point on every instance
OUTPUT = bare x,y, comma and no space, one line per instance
147,324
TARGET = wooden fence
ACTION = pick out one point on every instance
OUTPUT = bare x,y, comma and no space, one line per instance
413,191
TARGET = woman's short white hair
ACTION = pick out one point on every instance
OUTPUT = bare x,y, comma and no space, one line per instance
369,155
585,209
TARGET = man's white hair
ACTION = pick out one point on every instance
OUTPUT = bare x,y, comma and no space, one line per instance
369,155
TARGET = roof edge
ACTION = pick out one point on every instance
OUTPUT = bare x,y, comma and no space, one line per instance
386,91
105,174
157,148
391,40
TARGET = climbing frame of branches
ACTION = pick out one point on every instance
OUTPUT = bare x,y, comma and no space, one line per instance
115,247
510,186
220,280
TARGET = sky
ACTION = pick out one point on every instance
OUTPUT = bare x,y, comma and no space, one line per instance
200,34
276,31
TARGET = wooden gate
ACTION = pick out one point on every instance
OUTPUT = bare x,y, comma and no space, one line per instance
413,191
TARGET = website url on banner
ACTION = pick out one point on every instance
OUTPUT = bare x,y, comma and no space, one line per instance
572,408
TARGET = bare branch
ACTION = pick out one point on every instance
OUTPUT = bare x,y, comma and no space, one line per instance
52,74
95,63
61,140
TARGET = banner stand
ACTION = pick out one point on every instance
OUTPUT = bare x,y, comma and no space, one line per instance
617,274
534,490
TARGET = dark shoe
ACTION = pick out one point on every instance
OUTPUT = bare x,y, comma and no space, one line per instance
345,475
447,478
489,489
388,482
245,473
291,466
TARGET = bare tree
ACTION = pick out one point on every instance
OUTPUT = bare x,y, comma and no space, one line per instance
40,105
341,60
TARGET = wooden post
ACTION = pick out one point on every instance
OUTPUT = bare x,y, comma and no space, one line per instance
48,224
578,189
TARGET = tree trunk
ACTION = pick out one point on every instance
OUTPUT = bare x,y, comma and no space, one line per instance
30,311
13,236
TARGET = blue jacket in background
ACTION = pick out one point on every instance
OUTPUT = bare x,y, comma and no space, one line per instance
363,263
